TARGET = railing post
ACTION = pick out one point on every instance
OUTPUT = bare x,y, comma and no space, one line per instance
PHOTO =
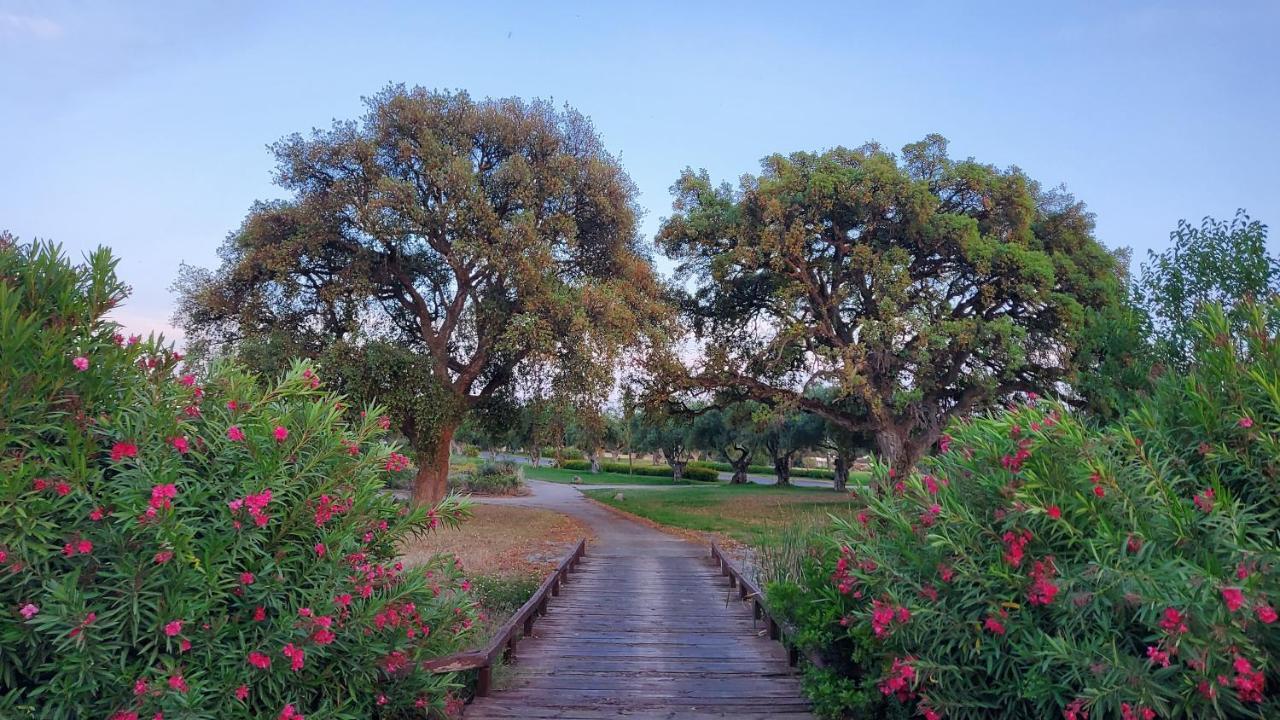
483,682
555,586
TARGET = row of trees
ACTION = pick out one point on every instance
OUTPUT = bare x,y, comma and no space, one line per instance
740,434
454,259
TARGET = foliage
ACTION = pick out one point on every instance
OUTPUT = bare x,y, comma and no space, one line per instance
1043,568
464,242
1221,262
158,532
668,433
783,434
919,288
490,478
1116,361
731,433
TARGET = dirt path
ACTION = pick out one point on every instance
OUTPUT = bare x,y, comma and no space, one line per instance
646,629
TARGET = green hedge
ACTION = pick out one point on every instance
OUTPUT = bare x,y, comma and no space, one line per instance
691,472
820,473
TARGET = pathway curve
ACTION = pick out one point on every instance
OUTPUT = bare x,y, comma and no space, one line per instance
647,628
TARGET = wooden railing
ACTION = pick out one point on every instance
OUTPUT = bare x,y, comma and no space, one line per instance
779,630
503,642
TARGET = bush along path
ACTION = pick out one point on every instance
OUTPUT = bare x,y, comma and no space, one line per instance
647,628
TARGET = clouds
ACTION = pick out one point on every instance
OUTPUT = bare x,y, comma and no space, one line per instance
13,26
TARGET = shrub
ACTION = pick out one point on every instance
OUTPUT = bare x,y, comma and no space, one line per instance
691,472
196,547
491,478
471,451
1041,568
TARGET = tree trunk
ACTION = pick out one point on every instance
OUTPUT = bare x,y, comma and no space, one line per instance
677,469
840,472
739,472
535,455
899,450
782,468
431,483
595,463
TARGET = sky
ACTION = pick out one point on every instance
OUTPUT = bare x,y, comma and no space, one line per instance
143,126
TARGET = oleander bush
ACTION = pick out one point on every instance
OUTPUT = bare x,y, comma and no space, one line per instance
490,478
197,547
1042,567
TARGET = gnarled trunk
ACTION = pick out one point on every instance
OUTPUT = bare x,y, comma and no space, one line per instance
677,469
900,450
431,483
782,469
594,458
840,472
740,465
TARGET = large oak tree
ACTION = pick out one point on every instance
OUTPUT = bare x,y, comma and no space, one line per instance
444,245
917,287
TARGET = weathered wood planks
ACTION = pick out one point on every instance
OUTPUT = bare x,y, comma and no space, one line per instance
647,636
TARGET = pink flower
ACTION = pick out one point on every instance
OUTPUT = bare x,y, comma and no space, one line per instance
1099,491
1054,512
122,450
993,625
296,656
162,496
281,433
62,488
259,614
81,363
246,578
289,713
1173,622
320,549
1244,422
173,628
28,611
39,484
1266,614
242,693
259,660
1157,656
187,380
180,444
177,682
235,434
140,687
1204,500
163,557
97,514
1233,597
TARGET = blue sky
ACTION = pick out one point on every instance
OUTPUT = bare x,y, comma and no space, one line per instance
143,125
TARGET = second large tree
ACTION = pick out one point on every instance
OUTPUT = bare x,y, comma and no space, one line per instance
455,240
916,287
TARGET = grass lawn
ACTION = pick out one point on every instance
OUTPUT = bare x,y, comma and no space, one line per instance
557,475
750,514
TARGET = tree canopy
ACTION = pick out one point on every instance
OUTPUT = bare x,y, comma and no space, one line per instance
918,287
464,239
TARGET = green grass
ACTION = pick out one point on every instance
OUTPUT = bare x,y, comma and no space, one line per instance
752,514
557,475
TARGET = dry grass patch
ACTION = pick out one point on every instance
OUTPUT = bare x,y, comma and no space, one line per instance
503,540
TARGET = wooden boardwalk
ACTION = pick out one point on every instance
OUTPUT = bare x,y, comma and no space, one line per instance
646,628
